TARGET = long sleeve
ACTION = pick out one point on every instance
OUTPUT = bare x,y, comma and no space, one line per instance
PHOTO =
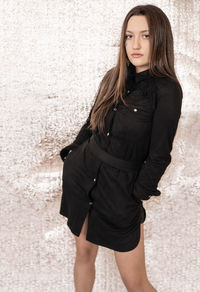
165,123
83,134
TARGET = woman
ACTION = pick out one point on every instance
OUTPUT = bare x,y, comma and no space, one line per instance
122,150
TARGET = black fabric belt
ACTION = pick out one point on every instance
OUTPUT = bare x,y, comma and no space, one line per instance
110,159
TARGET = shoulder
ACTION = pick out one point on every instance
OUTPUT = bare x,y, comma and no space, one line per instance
168,96
167,87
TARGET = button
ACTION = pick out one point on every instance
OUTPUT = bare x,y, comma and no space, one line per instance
108,134
94,179
90,203
135,110
65,157
115,109
128,91
70,150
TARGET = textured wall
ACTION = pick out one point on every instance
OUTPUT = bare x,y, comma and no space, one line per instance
53,54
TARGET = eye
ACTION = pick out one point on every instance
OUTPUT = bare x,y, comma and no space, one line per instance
129,36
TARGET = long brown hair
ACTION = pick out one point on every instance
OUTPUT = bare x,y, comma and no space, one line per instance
112,86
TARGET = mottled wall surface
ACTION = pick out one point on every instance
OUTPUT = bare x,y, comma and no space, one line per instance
53,54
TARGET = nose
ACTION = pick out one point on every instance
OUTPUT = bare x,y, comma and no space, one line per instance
136,43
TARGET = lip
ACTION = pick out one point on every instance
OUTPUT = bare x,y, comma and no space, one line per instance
136,55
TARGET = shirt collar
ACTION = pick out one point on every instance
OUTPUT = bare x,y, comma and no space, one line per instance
134,78
137,76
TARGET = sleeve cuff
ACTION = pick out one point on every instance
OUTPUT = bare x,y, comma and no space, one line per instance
140,193
64,152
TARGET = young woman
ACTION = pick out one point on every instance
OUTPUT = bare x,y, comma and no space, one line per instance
122,150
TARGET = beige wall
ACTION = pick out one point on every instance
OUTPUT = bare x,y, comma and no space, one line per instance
53,55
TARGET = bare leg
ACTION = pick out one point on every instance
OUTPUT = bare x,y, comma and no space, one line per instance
84,267
132,268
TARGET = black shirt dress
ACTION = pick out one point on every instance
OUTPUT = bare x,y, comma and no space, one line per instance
109,175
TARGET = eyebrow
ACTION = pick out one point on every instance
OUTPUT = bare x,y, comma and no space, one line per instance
140,31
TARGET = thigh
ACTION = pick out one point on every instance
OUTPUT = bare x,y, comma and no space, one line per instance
85,248
132,263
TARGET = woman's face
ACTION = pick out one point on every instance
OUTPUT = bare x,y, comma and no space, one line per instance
137,42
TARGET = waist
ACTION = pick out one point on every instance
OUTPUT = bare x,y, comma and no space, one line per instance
110,159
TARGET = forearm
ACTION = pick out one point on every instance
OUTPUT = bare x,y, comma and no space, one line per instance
164,126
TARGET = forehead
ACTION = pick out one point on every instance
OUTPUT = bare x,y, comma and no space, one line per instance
137,23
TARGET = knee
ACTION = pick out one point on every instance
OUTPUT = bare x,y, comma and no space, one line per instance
136,285
85,255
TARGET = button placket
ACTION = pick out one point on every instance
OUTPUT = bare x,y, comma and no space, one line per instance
90,202
114,109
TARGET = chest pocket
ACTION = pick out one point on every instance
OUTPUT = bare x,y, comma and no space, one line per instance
139,108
